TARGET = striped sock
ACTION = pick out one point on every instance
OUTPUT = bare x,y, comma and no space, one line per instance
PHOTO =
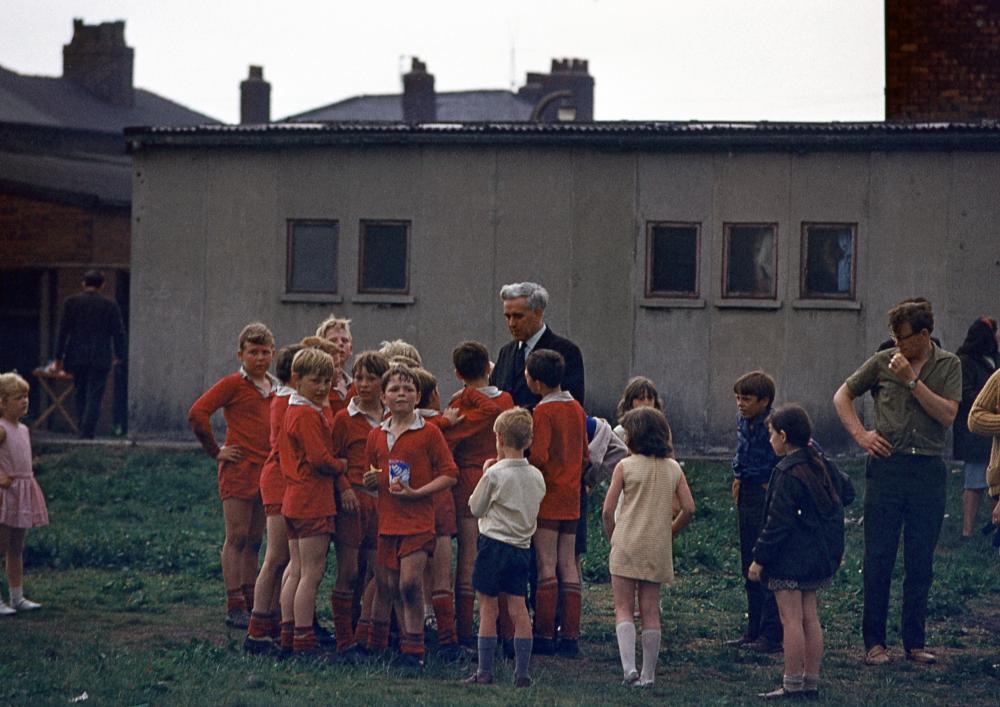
260,625
287,637
444,612
465,606
545,607
572,601
379,637
412,644
304,640
235,601
363,631
341,604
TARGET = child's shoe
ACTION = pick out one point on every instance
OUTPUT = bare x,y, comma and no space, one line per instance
259,646
6,610
522,682
543,646
323,635
238,618
478,678
632,679
568,647
23,604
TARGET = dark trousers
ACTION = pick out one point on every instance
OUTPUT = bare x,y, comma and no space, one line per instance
762,610
90,383
903,492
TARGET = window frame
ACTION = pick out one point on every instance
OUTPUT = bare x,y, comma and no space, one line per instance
806,294
290,225
362,233
727,228
650,293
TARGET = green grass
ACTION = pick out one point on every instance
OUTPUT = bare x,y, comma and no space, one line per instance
128,573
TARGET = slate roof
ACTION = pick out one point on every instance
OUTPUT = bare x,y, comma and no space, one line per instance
59,103
82,179
457,106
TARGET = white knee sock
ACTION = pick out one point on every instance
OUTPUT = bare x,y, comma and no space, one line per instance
626,646
16,594
650,653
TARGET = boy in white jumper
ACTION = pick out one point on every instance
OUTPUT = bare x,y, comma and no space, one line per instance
506,502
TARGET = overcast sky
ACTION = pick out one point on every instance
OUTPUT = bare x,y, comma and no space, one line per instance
653,60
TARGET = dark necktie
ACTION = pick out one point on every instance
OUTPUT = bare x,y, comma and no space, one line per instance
518,372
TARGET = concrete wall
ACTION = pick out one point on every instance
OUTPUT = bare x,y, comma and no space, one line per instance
209,239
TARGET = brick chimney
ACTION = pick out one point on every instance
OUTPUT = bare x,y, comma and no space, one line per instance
566,93
942,60
255,97
419,99
98,60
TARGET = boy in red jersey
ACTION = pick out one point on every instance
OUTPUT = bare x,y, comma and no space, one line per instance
468,430
245,400
266,614
408,462
559,450
357,532
309,466
338,332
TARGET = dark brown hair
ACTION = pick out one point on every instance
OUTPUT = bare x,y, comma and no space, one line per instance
647,432
638,388
755,383
546,366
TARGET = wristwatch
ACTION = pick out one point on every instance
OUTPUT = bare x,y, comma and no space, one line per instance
913,383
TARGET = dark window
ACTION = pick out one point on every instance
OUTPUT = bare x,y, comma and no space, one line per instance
828,251
750,263
312,256
672,259
385,257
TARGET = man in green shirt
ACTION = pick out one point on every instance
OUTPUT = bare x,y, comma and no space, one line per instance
917,390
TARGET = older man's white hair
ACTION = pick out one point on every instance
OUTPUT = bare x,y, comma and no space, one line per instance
538,296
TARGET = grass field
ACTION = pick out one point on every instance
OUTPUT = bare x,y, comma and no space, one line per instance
128,574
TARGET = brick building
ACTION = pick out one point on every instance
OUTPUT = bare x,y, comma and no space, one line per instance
66,189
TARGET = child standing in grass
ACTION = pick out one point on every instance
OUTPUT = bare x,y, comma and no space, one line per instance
307,462
409,462
22,504
800,547
641,555
506,502
245,400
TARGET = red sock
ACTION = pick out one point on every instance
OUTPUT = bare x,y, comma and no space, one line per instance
363,632
444,612
341,604
505,624
304,640
465,606
247,590
379,636
571,602
260,625
235,601
546,597
412,644
287,637
276,626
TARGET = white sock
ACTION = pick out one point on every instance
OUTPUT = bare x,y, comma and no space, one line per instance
16,594
792,683
626,646
650,653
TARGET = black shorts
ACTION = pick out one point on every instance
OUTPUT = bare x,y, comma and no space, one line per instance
500,567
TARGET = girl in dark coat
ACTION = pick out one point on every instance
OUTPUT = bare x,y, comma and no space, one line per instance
978,354
800,547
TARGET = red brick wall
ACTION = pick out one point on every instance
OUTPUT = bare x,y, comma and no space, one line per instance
942,60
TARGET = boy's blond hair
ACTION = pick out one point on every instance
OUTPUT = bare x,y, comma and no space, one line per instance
513,427
256,333
333,322
310,361
392,349
12,384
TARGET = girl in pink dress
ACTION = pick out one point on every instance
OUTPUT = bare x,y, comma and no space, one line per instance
22,504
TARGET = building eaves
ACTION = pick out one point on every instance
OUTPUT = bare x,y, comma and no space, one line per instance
610,135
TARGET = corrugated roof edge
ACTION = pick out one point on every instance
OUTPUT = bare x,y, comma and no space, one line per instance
623,135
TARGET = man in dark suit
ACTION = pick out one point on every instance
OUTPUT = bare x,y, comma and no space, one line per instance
524,307
89,325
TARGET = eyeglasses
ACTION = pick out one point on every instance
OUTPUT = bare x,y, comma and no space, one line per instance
899,339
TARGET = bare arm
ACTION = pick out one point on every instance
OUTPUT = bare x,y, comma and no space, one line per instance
611,500
682,496
869,440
